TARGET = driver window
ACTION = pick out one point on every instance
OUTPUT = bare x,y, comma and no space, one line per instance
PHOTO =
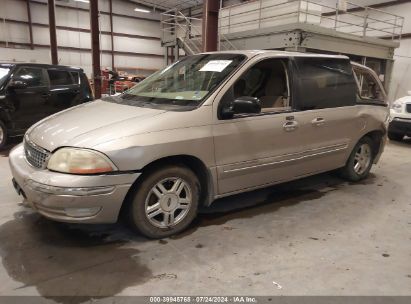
268,81
32,76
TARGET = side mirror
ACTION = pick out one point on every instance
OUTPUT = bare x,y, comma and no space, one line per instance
18,84
242,105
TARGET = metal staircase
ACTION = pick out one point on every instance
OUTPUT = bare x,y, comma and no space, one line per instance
181,32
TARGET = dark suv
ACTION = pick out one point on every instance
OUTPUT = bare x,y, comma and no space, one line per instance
30,92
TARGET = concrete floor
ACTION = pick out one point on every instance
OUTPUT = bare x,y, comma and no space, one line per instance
316,236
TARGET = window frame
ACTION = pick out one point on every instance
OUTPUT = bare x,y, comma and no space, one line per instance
289,71
373,75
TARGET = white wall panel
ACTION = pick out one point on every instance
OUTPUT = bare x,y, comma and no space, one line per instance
136,27
10,7
39,13
122,7
72,18
18,55
139,62
104,22
73,39
138,45
400,82
12,32
41,35
79,59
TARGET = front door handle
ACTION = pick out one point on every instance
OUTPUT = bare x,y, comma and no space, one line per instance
290,126
319,121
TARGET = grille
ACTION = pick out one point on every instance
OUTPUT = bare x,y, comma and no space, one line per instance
35,155
408,107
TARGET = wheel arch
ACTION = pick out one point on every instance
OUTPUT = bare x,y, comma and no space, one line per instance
378,138
193,163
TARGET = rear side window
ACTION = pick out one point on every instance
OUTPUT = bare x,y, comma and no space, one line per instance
369,88
324,83
76,77
59,77
34,77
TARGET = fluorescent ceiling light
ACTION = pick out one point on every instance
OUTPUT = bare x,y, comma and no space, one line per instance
141,10
84,1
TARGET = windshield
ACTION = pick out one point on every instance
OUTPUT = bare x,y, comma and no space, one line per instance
4,71
184,83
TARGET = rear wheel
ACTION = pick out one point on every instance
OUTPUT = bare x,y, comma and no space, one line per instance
165,202
395,136
3,135
360,161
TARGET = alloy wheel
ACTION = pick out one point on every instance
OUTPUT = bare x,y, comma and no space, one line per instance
1,134
362,159
168,202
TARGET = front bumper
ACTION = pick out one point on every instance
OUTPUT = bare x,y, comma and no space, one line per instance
68,197
400,125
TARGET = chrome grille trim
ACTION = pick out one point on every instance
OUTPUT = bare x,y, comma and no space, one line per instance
35,155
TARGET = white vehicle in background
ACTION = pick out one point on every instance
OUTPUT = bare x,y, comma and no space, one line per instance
400,122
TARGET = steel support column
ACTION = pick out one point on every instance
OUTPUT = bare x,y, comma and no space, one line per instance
95,47
210,25
30,24
53,33
111,33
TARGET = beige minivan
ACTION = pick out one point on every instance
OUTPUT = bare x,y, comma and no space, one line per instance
208,126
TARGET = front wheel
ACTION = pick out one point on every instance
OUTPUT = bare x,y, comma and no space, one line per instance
3,135
360,161
165,202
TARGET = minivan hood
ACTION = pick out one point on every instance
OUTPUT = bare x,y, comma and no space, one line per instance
90,124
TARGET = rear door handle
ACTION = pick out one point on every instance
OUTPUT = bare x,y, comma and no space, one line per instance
319,121
290,126
45,95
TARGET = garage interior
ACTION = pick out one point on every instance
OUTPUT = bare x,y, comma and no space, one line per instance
317,236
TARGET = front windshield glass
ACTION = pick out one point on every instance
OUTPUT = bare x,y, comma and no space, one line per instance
185,83
4,71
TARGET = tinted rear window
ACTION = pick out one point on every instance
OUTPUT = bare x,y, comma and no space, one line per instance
324,83
76,77
59,77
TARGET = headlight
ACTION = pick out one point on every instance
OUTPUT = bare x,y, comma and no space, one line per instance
80,161
396,106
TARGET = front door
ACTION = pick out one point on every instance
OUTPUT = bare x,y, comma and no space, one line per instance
259,149
28,103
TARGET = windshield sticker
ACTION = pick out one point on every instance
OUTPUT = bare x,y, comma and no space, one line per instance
215,65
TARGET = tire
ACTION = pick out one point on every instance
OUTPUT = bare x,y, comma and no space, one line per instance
3,135
360,161
183,204
395,136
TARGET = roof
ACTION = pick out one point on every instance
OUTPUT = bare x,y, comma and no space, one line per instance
40,65
251,53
